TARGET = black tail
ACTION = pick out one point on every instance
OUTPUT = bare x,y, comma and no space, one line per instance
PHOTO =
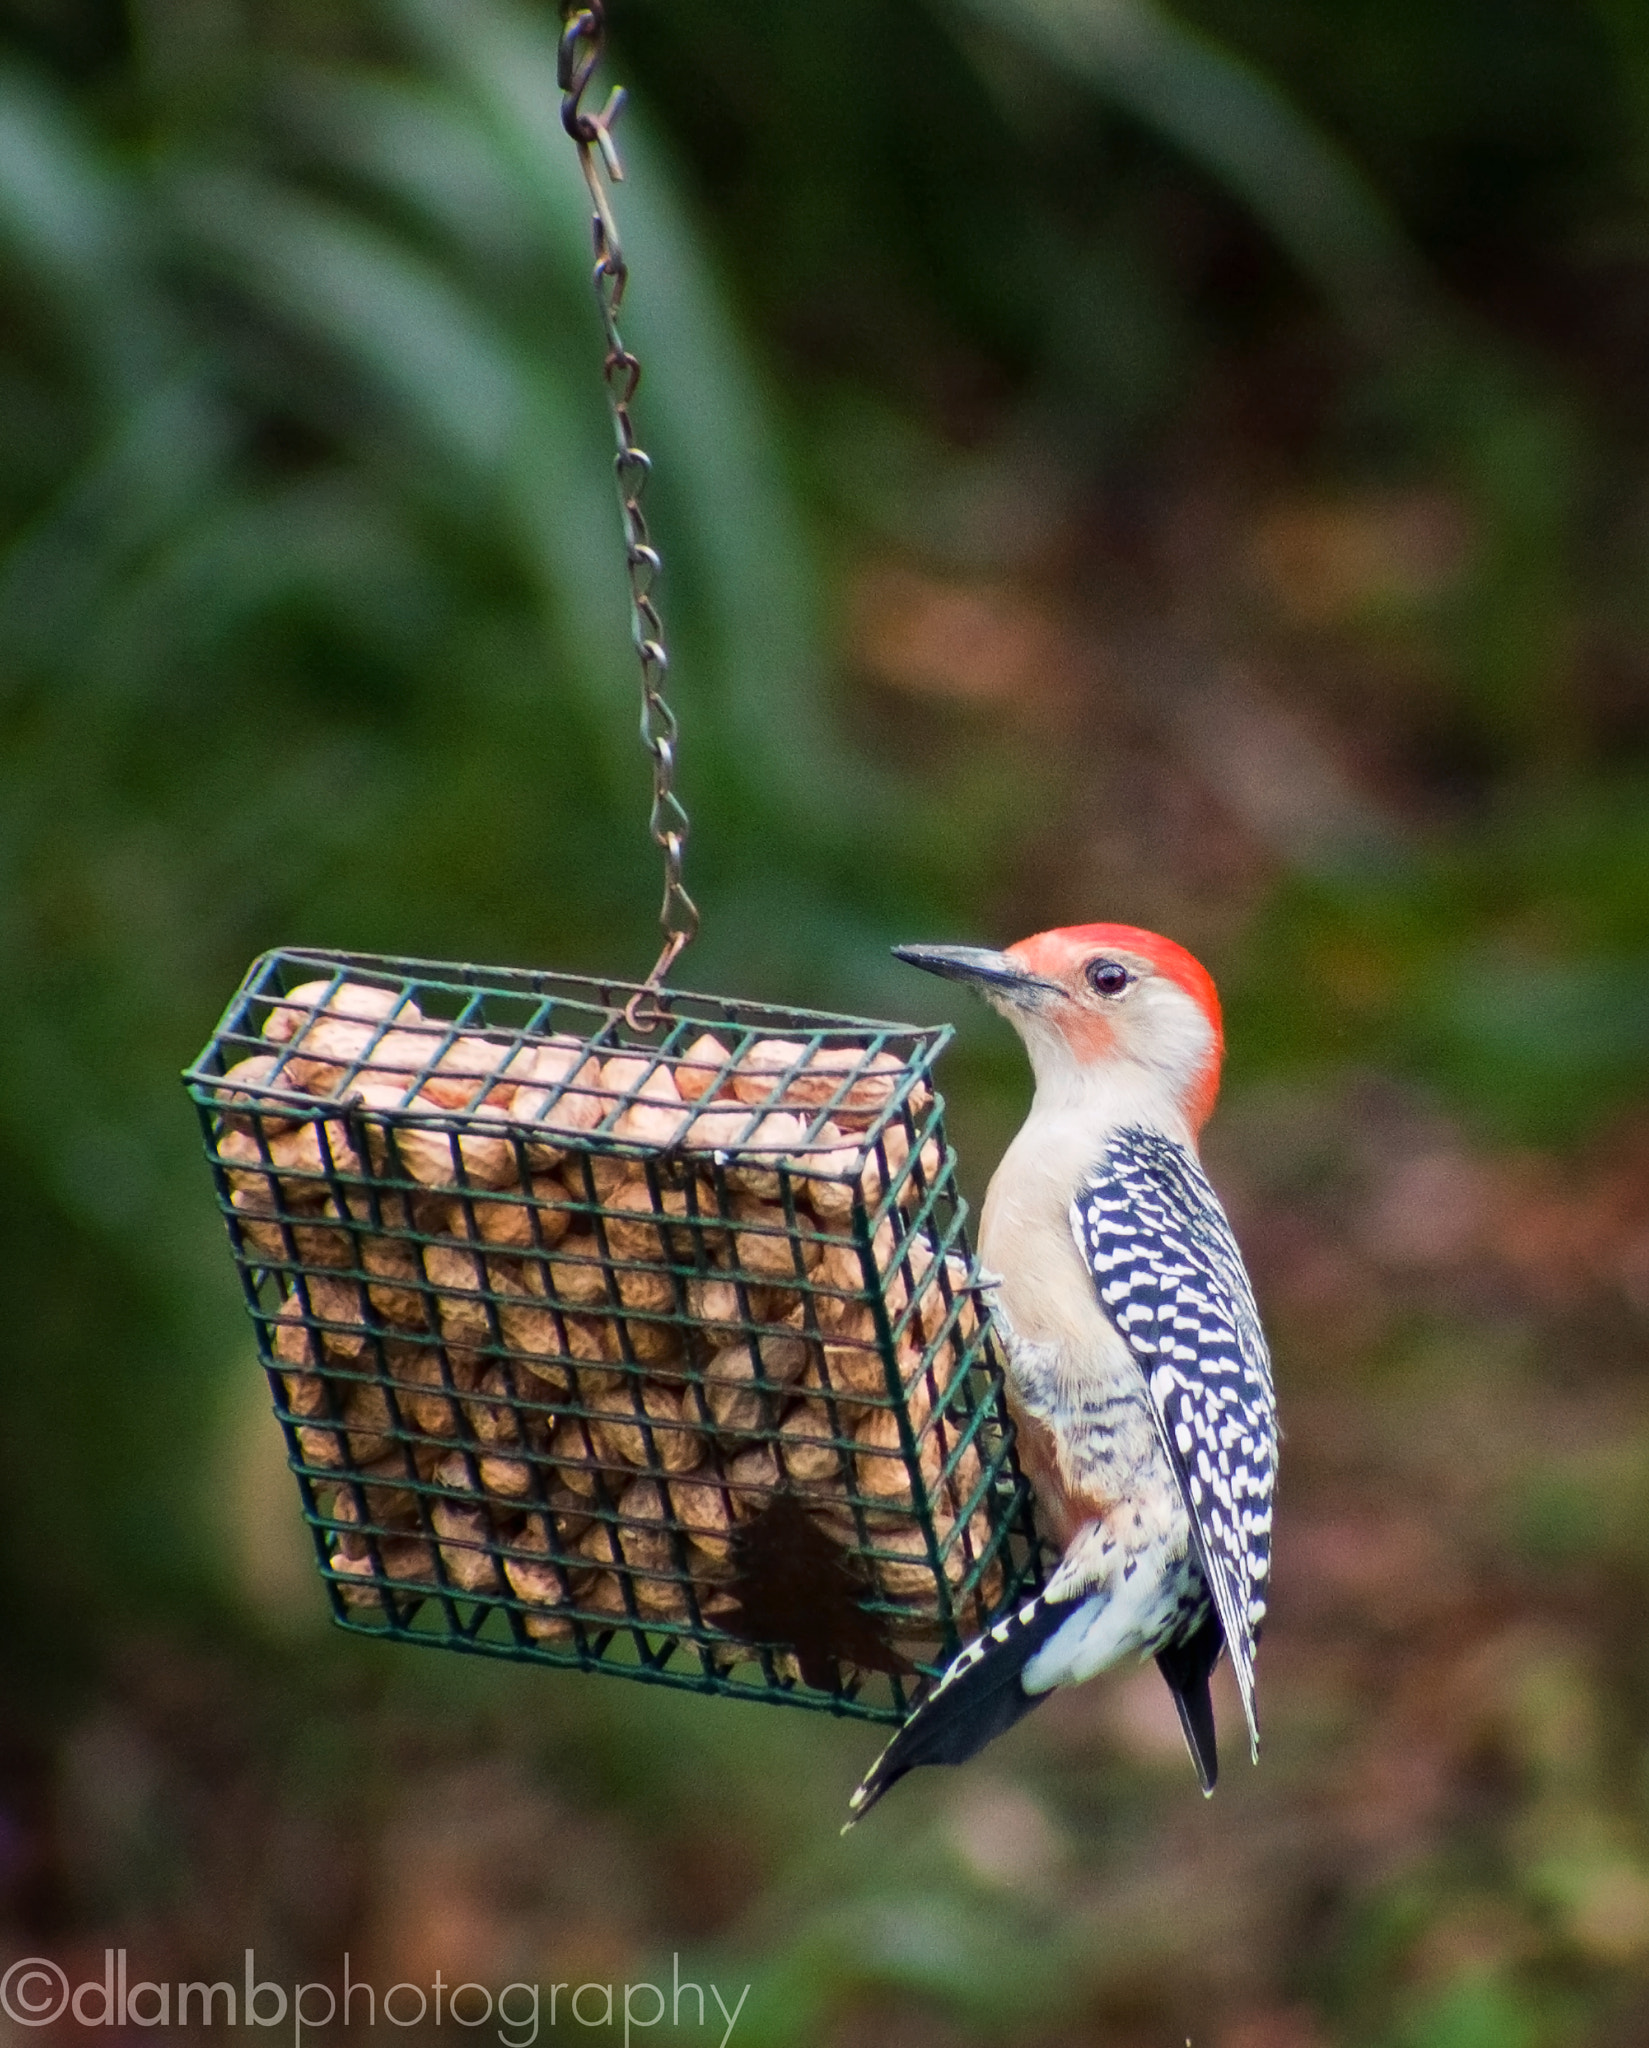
979,1698
1187,1666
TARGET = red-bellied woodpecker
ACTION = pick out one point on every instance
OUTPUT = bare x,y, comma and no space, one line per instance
1137,1372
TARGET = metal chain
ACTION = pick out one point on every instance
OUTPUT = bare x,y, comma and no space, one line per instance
582,38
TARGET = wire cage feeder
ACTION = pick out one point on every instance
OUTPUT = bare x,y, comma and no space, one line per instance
612,1327
653,1349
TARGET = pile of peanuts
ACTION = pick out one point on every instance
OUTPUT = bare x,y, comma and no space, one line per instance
524,1356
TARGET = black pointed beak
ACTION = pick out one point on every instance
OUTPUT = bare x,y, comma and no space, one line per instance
991,973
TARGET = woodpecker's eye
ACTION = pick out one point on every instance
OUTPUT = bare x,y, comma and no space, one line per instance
1108,977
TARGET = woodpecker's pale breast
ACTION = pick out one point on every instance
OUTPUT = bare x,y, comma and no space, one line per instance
1090,1440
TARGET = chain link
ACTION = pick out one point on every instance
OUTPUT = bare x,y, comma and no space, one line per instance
582,38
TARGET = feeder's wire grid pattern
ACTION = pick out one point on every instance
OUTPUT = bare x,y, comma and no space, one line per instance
650,1350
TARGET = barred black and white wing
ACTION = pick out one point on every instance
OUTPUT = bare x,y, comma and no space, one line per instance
1171,1279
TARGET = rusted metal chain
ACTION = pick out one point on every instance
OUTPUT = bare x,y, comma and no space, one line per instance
582,39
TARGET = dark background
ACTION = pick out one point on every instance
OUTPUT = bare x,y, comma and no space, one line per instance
1187,468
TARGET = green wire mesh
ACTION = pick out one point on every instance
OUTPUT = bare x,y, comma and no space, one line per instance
656,1351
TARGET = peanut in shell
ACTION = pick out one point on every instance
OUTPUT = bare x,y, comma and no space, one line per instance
880,1473
473,1070
733,1392
575,1276
764,1245
647,1548
505,1478
464,1539
753,1477
767,1075
617,1429
537,1578
414,1371
312,999
459,1278
715,1304
701,1067
810,1457
327,1053
336,1309
491,1414
402,1558
666,1232
702,1509
512,1225
258,1071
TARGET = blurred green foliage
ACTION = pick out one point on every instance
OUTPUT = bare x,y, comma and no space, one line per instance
312,629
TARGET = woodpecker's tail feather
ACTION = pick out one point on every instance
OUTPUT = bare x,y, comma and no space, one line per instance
979,1698
1187,1667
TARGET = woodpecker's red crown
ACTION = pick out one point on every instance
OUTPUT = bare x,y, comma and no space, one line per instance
1073,952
